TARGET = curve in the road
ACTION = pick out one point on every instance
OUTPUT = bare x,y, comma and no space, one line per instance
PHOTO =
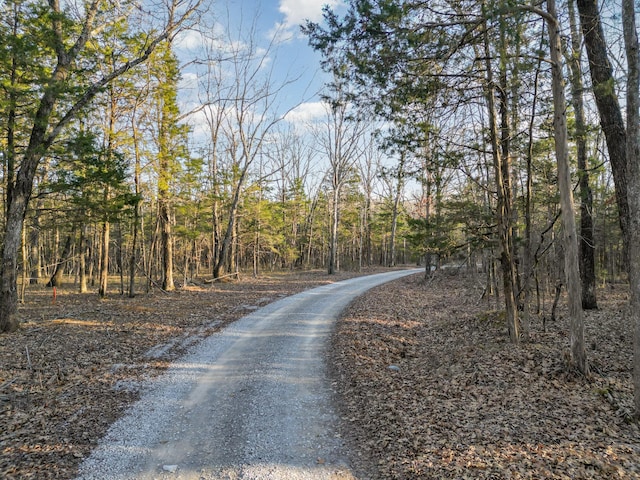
250,402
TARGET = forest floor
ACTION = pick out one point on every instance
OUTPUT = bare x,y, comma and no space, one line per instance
459,402
430,388
77,363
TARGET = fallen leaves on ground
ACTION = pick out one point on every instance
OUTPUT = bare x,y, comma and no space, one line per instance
76,364
460,401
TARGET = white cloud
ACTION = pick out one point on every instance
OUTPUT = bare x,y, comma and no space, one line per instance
194,42
282,33
296,12
189,40
306,113
199,124
189,81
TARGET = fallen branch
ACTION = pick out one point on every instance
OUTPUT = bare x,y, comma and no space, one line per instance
8,382
28,358
154,283
213,280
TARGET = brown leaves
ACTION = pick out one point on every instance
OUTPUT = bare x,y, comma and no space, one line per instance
88,357
466,403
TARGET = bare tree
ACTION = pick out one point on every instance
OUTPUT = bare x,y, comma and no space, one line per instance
587,240
340,138
502,179
633,169
248,118
369,169
396,190
571,268
570,244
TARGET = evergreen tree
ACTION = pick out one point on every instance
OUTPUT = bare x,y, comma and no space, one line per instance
171,148
64,46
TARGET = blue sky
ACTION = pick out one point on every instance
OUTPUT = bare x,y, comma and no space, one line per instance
295,54
292,59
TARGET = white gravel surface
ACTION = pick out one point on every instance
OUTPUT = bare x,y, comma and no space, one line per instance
250,402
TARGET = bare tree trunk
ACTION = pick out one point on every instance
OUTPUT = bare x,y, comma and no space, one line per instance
587,237
120,258
218,269
233,265
392,236
607,102
91,257
194,261
335,220
34,241
84,250
166,245
504,215
395,212
256,250
56,278
152,255
104,260
133,259
368,244
309,223
215,233
633,166
528,204
361,239
25,263
572,271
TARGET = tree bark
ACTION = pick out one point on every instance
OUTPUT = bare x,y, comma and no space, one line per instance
104,260
166,242
34,242
503,209
218,269
607,103
133,259
56,278
633,169
572,273
120,258
335,220
84,252
15,217
587,238
528,259
395,212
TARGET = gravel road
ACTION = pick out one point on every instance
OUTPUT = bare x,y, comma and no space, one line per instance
250,402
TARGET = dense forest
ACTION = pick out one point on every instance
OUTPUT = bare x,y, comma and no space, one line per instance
500,135
127,181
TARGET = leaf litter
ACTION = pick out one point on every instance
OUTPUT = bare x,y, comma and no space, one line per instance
462,402
75,365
